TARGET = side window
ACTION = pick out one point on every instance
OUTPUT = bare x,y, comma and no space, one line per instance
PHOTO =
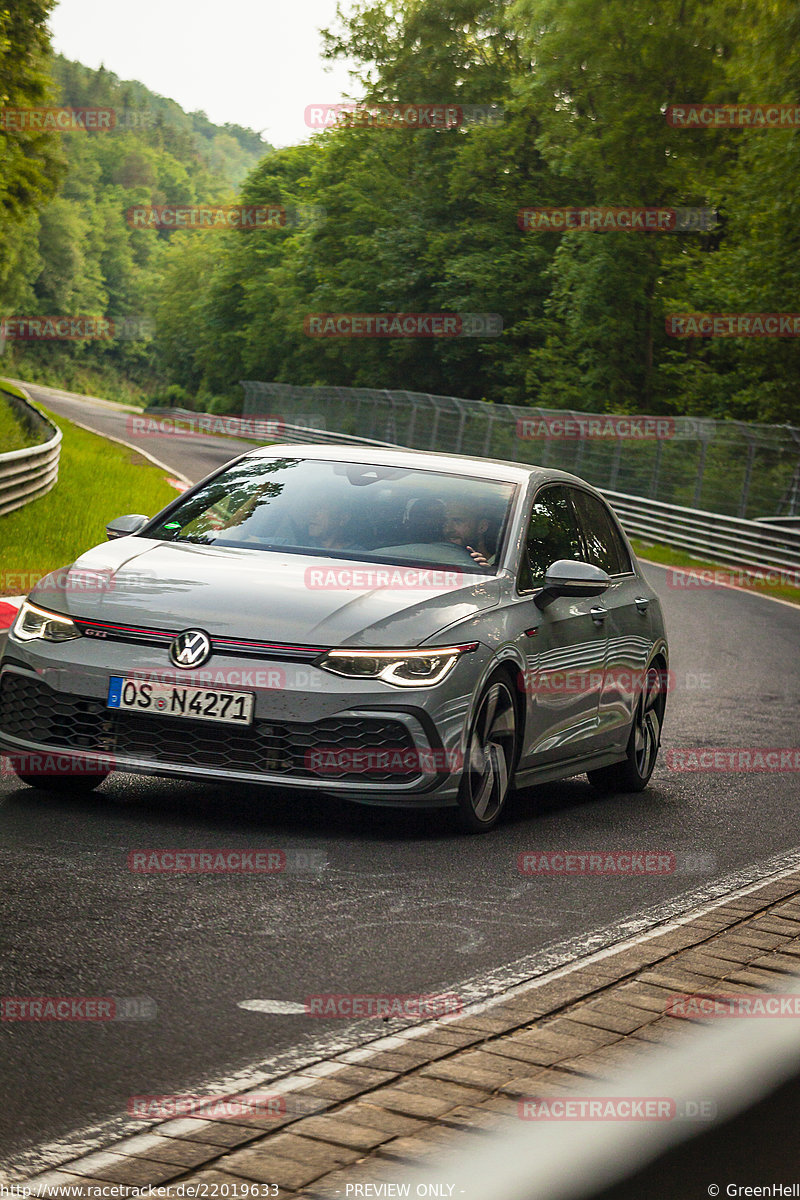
604,546
552,534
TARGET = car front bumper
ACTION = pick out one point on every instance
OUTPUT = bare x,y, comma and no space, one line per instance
360,738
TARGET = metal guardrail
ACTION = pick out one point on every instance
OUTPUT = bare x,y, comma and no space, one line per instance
704,534
29,473
734,540
709,535
738,468
235,426
789,522
307,436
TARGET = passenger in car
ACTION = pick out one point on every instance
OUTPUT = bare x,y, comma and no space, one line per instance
328,528
425,521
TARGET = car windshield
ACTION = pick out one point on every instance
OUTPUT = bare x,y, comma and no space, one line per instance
373,512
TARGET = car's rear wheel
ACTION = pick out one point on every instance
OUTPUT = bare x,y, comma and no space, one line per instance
490,758
633,773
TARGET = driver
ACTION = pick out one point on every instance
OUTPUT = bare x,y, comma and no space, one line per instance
463,526
327,527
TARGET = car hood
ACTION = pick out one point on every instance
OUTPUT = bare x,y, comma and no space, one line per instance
257,594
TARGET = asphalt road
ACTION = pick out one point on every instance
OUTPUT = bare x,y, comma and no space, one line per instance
192,455
405,904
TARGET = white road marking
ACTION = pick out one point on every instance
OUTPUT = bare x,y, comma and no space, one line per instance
94,401
288,1071
136,449
108,436
732,587
272,1006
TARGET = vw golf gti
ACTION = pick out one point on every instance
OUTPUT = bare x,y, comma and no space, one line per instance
397,627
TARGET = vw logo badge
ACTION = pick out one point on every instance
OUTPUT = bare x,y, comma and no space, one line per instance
190,648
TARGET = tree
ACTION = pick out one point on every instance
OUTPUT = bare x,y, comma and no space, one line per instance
600,80
30,162
757,266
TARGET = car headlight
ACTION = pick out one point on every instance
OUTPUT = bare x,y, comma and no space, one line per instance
33,623
404,668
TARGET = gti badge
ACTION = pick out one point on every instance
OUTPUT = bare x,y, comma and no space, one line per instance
190,648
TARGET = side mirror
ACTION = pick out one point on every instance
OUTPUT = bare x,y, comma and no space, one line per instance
123,526
570,578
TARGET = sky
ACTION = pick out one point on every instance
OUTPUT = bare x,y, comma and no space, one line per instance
256,63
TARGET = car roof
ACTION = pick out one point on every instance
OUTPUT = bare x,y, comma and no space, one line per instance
424,460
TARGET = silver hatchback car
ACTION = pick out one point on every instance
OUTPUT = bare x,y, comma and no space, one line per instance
393,626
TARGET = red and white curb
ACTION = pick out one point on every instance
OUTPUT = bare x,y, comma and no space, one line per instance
9,607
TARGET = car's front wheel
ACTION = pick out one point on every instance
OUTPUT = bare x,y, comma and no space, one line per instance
633,773
490,758
54,778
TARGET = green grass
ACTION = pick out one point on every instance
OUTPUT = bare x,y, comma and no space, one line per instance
84,379
13,434
97,481
670,557
7,386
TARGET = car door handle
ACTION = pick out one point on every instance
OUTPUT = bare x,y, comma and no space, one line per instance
642,603
598,614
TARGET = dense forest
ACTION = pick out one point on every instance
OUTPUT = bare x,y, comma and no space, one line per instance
65,244
388,219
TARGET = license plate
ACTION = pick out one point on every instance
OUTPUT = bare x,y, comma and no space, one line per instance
173,700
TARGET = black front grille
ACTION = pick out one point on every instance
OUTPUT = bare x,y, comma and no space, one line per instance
31,710
34,712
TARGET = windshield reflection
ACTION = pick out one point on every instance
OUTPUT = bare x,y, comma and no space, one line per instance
369,512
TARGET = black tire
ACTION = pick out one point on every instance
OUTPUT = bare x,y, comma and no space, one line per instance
633,773
490,758
58,781
54,783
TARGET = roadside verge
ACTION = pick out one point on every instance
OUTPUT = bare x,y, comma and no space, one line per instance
367,1116
99,478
